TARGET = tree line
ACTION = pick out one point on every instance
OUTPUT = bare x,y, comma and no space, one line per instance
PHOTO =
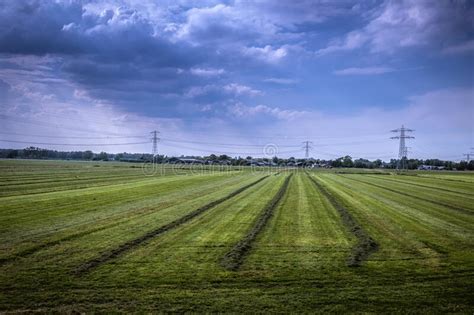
345,161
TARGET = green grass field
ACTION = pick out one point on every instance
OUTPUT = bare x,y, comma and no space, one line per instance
103,237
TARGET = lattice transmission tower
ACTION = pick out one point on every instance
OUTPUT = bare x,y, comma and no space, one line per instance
307,146
402,150
154,140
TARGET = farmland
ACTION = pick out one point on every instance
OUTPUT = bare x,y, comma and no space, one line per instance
92,236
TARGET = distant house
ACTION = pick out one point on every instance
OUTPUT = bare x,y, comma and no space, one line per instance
190,161
430,168
321,165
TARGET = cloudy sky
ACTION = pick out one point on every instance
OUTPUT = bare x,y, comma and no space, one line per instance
235,77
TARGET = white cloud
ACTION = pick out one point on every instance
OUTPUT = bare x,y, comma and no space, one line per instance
221,23
231,88
364,71
200,20
401,24
239,89
201,90
241,110
85,124
267,53
444,110
281,81
207,72
442,120
352,41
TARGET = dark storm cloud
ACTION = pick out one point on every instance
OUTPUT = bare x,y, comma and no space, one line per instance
41,27
35,27
141,55
122,55
117,54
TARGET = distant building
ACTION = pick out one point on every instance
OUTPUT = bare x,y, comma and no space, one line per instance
430,168
190,161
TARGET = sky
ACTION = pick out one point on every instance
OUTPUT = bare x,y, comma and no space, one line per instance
238,77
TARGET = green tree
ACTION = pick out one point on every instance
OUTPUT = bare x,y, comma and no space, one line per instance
102,156
87,155
224,157
347,161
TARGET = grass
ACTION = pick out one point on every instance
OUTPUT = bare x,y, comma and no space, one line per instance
235,257
366,245
58,216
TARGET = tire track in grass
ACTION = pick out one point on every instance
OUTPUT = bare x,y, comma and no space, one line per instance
130,245
366,245
36,248
446,179
461,210
395,180
397,228
235,257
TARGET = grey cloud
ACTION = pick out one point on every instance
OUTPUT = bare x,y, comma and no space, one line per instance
116,55
402,24
35,27
4,91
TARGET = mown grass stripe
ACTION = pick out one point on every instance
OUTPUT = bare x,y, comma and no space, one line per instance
37,248
233,259
461,210
366,245
399,181
127,246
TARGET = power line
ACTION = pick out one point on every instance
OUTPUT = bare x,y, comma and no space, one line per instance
178,140
68,137
51,125
224,152
223,144
73,144
281,136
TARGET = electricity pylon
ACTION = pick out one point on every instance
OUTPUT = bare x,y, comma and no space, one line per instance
402,150
154,140
307,145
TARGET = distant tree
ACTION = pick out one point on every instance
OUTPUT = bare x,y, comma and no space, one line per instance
173,160
102,156
377,163
470,166
12,154
224,157
347,161
336,162
240,161
461,166
360,163
87,155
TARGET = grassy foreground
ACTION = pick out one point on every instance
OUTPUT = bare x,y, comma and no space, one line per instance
295,238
